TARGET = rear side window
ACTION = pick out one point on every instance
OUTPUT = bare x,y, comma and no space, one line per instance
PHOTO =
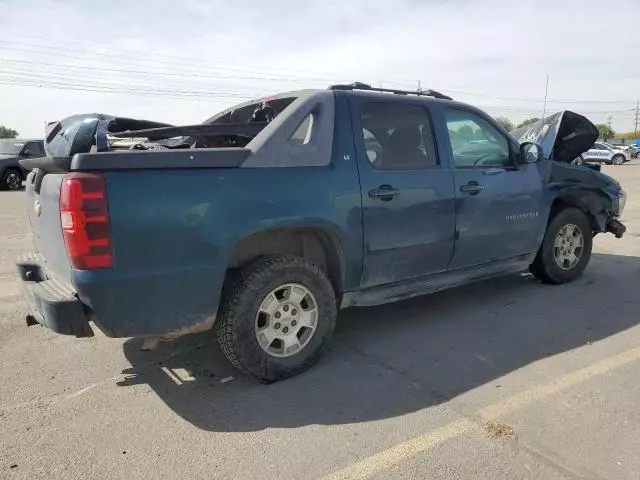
302,136
397,136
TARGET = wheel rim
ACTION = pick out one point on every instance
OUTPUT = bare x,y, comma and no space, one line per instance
13,181
568,246
286,320
617,160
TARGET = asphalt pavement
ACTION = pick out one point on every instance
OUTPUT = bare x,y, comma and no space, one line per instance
502,379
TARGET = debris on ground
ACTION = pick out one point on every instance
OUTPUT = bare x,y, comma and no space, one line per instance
226,380
500,430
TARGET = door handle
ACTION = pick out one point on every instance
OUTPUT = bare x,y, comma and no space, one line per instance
472,188
384,193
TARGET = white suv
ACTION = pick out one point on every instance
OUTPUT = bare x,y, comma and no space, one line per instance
602,152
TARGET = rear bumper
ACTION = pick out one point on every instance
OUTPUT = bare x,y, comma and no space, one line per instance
52,302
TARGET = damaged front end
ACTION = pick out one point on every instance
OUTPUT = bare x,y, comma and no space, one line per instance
564,136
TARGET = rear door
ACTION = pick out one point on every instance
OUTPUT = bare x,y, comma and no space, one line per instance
407,194
497,202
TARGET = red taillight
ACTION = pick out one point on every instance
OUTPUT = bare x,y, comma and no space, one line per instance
84,215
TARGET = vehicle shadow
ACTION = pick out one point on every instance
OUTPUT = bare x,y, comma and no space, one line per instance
398,358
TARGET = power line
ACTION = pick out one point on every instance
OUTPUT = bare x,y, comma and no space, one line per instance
185,61
144,72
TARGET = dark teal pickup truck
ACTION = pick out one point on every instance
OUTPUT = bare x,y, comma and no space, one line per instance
267,218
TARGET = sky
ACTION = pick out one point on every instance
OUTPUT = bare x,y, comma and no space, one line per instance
181,62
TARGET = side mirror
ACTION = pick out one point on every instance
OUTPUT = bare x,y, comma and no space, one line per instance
531,152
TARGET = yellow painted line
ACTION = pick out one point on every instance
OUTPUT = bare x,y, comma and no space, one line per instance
172,376
386,459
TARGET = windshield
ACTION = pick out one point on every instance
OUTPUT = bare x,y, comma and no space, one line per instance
10,147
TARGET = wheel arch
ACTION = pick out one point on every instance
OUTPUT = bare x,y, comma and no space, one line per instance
319,243
588,202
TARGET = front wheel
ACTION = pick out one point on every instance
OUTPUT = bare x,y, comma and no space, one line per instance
578,160
276,317
565,249
618,159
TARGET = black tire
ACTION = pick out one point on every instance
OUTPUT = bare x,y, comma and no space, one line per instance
618,160
11,179
242,296
544,267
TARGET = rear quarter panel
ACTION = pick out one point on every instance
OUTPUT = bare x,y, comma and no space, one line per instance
173,233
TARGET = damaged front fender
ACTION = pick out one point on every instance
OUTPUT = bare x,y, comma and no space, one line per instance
593,192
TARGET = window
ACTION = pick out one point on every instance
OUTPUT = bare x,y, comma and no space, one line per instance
475,142
302,136
36,148
397,136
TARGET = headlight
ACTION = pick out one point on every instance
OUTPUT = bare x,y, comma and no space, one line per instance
622,201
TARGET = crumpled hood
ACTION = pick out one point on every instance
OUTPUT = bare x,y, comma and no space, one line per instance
563,136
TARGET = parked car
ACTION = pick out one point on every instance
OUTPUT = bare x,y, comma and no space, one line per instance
605,153
634,151
272,215
11,152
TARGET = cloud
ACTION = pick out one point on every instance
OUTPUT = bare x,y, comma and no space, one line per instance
493,53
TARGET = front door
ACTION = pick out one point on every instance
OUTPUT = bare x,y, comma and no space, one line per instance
498,214
407,195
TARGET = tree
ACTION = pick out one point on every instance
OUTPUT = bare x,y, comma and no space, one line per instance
606,132
6,132
528,121
628,135
505,122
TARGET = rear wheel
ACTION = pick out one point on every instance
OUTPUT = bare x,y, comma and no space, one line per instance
565,249
11,180
276,317
617,159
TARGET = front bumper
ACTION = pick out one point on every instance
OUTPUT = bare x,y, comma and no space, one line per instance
53,303
616,227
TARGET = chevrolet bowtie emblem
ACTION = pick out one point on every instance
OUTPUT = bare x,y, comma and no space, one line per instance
37,208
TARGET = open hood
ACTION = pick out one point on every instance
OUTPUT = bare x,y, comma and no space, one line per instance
563,136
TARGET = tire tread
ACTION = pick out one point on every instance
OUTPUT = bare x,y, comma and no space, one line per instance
239,288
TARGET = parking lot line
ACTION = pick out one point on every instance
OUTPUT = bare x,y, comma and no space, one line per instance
385,459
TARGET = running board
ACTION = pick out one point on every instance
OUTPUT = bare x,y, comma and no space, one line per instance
394,292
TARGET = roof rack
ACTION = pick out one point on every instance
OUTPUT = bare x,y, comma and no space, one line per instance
365,86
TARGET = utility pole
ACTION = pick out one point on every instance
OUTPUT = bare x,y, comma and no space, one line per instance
546,91
419,87
635,129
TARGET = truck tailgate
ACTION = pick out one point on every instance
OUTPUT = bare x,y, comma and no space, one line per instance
43,206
